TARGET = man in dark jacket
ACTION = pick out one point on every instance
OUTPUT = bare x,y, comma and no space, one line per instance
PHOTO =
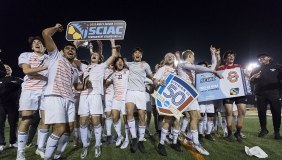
10,89
267,88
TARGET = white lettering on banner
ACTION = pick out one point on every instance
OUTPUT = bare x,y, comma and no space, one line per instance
208,88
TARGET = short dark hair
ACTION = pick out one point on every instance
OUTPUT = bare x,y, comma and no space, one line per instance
84,62
69,44
137,49
186,53
31,39
228,52
205,63
115,61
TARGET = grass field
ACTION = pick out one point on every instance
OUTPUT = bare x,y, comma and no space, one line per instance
219,149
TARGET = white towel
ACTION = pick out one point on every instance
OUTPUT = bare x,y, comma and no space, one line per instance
255,151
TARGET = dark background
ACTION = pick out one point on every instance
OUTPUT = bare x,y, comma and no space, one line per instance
248,27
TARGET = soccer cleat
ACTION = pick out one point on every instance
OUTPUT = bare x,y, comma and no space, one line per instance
15,145
200,149
176,147
188,141
125,144
161,150
40,152
201,138
108,141
242,135
83,152
148,133
28,145
141,147
119,140
2,147
97,151
134,145
239,139
263,132
20,155
277,136
229,138
209,137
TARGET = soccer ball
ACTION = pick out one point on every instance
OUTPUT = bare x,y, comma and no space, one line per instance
73,33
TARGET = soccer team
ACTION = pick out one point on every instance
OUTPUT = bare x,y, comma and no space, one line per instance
82,96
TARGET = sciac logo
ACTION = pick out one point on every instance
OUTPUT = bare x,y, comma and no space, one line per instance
233,76
207,78
77,30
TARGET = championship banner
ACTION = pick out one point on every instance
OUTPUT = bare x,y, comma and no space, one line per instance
95,30
211,87
175,97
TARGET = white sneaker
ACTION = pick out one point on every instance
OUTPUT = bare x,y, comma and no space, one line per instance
125,144
20,155
40,152
57,154
2,147
14,145
83,152
119,140
97,151
200,149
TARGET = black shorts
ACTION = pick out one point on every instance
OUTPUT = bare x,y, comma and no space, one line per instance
237,100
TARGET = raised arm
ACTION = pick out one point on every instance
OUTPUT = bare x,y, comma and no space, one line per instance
47,36
100,47
214,62
199,68
111,59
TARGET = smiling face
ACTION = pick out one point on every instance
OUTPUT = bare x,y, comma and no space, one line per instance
229,58
69,52
95,58
8,70
137,55
119,64
37,46
169,59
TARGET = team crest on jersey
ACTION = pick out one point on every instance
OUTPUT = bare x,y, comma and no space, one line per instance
175,97
233,76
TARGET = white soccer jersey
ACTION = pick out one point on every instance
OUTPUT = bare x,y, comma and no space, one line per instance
61,76
96,74
163,72
120,83
110,88
34,82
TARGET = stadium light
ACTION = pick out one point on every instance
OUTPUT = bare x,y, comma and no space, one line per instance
251,66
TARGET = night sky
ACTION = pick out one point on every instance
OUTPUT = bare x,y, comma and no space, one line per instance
247,27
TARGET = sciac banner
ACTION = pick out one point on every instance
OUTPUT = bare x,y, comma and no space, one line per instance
234,84
95,30
175,97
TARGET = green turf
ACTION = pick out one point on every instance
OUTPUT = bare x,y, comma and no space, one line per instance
219,150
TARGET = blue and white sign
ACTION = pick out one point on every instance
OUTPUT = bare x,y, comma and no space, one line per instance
211,87
175,97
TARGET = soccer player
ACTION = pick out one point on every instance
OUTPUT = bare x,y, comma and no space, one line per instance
58,94
91,99
119,79
35,68
159,79
229,57
206,108
187,70
136,96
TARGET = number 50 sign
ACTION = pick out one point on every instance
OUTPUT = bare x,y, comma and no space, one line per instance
175,97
